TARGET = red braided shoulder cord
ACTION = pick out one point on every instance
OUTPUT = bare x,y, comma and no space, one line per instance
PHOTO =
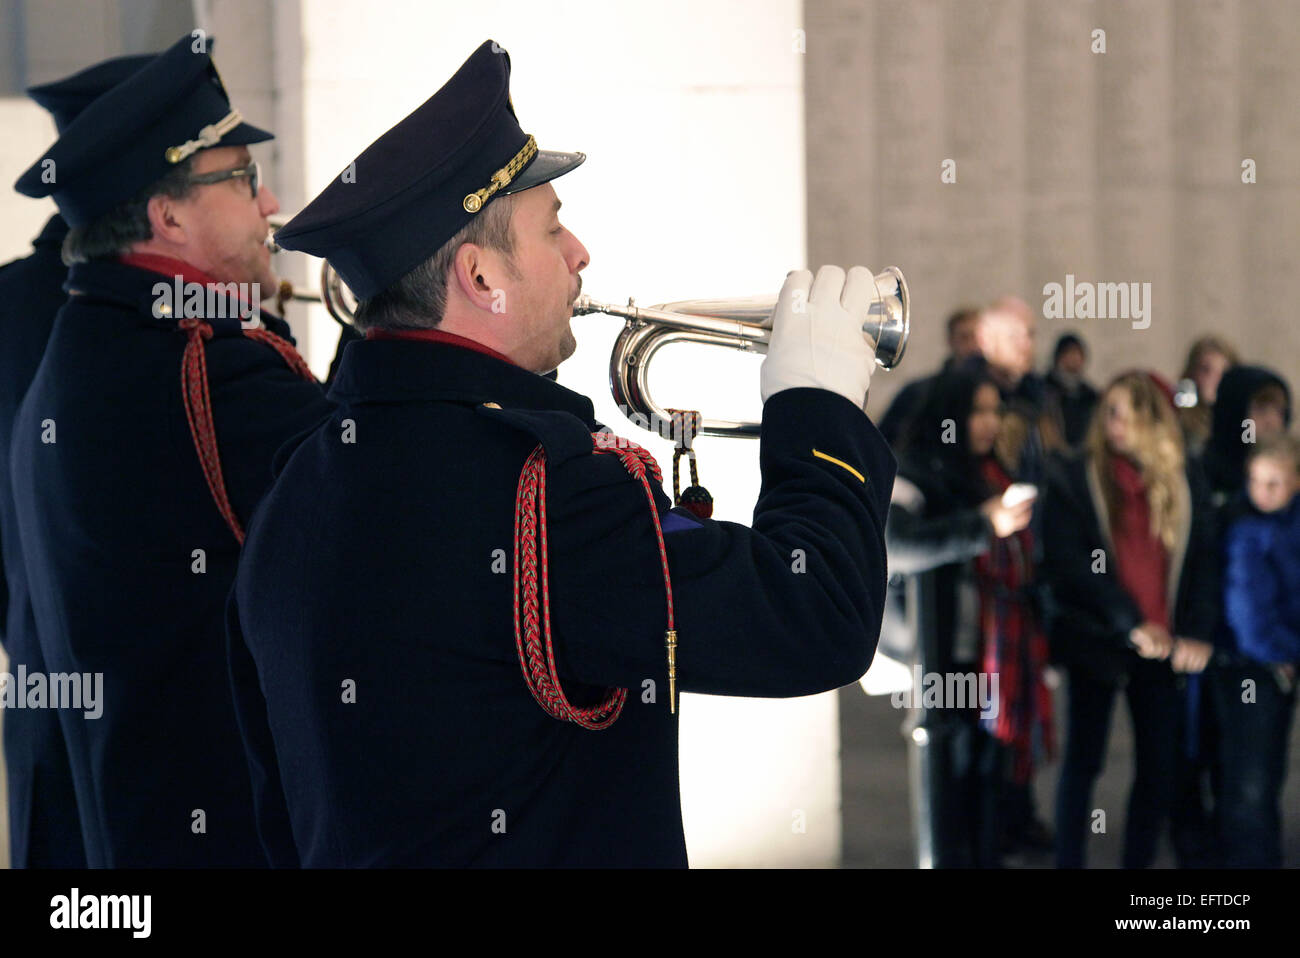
198,405
530,516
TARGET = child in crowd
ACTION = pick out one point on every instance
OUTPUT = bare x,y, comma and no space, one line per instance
1256,694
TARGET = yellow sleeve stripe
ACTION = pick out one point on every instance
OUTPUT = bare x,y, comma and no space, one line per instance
841,463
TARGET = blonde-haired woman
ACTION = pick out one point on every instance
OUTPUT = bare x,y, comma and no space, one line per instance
1130,565
1207,360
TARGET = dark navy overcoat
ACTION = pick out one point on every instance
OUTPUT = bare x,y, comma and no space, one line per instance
129,562
44,829
373,650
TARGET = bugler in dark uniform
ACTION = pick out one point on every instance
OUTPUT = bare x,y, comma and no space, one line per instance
452,628
44,828
142,446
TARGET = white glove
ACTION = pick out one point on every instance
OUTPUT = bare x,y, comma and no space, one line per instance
817,337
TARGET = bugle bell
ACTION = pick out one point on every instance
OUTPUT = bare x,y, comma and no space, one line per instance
734,323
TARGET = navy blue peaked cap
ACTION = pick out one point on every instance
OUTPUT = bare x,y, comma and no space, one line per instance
66,98
421,182
133,135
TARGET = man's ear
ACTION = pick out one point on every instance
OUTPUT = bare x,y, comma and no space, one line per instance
469,266
162,211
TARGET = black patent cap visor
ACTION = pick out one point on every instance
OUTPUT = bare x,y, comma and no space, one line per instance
547,165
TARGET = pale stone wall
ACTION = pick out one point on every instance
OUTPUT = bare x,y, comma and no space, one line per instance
1123,166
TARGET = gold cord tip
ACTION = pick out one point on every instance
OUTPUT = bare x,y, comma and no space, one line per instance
670,641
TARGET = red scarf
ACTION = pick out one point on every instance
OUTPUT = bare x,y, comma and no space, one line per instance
1140,556
171,268
1014,646
168,266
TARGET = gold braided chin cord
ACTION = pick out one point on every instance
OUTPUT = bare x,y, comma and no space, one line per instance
209,136
502,177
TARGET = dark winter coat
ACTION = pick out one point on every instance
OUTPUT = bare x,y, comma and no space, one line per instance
1261,589
1090,614
373,650
44,827
129,562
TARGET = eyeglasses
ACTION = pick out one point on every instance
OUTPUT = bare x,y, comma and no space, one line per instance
251,171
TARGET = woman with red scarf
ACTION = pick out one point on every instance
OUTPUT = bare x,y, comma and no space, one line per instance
949,515
1129,560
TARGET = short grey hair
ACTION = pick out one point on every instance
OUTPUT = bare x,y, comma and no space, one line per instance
418,299
114,233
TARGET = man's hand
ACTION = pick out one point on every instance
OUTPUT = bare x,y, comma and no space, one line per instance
817,337
1190,655
1152,641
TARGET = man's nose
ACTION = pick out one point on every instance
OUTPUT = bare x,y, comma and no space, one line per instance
579,256
267,203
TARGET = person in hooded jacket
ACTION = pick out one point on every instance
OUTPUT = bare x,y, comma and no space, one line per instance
1250,404
1244,736
947,514
1255,693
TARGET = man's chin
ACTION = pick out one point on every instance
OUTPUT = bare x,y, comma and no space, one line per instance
264,274
267,281
251,273
568,345
566,348
269,286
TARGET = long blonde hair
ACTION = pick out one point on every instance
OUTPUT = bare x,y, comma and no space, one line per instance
1209,344
1157,450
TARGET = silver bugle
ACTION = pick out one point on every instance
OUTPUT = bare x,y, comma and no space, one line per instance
738,323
